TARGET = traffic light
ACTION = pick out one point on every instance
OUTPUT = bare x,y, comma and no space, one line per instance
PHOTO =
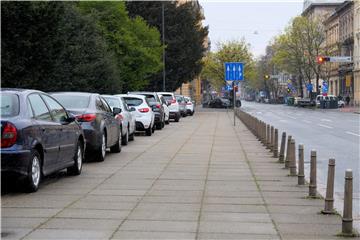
266,77
322,59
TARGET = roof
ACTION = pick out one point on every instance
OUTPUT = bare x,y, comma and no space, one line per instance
309,5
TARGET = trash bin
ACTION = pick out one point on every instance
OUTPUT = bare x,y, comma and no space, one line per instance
290,101
327,104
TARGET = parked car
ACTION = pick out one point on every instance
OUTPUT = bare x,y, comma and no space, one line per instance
189,106
219,103
174,107
144,114
38,137
340,103
127,120
98,121
165,105
155,103
182,105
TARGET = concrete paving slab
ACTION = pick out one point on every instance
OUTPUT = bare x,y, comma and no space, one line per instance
28,212
93,213
157,226
21,222
163,215
237,227
69,234
137,235
236,236
81,224
235,217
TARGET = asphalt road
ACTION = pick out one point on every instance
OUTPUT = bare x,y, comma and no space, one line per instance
333,134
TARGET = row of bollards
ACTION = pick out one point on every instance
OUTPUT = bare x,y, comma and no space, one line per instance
268,136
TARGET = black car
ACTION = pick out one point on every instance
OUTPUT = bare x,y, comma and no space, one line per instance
220,103
38,137
156,105
96,118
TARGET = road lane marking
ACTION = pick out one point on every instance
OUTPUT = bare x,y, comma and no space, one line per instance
326,120
306,121
292,117
351,133
325,126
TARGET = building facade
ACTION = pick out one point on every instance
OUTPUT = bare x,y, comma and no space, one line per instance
356,55
332,48
346,45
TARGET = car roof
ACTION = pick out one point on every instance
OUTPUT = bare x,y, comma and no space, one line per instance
19,90
132,95
75,93
140,92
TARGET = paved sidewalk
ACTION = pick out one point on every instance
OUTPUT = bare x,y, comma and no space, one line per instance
197,179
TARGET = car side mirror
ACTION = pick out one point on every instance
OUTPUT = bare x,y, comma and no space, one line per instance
116,110
69,119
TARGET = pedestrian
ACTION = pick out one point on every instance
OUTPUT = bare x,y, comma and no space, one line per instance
347,100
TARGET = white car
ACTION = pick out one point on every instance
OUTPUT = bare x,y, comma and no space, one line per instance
128,121
166,108
189,106
144,115
174,107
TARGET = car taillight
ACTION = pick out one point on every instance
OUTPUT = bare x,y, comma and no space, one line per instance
8,136
86,117
173,101
158,106
119,117
144,110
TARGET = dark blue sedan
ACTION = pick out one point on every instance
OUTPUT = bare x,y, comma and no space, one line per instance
38,137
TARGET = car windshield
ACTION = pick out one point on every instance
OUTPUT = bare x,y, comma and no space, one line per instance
133,102
113,102
72,101
9,105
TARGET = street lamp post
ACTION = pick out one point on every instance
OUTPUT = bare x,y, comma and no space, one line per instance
163,43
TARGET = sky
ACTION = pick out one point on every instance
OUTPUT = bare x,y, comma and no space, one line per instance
257,21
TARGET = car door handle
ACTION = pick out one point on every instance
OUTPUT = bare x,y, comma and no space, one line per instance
43,129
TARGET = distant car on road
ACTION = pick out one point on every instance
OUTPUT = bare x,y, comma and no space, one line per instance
144,114
38,137
98,121
220,103
174,107
127,121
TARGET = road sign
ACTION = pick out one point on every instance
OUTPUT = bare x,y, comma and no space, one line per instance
340,59
324,88
234,71
309,87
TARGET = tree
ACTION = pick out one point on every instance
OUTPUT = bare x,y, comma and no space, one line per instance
135,45
184,39
50,46
232,51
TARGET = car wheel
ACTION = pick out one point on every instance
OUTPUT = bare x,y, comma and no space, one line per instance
34,173
78,160
158,126
192,113
132,136
101,153
167,122
177,118
149,131
125,138
117,147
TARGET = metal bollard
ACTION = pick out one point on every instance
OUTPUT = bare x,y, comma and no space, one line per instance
267,136
347,220
301,174
276,142
312,185
287,157
329,199
282,147
292,159
272,138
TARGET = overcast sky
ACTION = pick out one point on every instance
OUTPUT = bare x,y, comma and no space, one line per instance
257,21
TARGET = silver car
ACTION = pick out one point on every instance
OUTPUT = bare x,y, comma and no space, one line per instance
128,121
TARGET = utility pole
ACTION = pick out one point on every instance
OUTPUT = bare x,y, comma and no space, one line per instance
163,43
